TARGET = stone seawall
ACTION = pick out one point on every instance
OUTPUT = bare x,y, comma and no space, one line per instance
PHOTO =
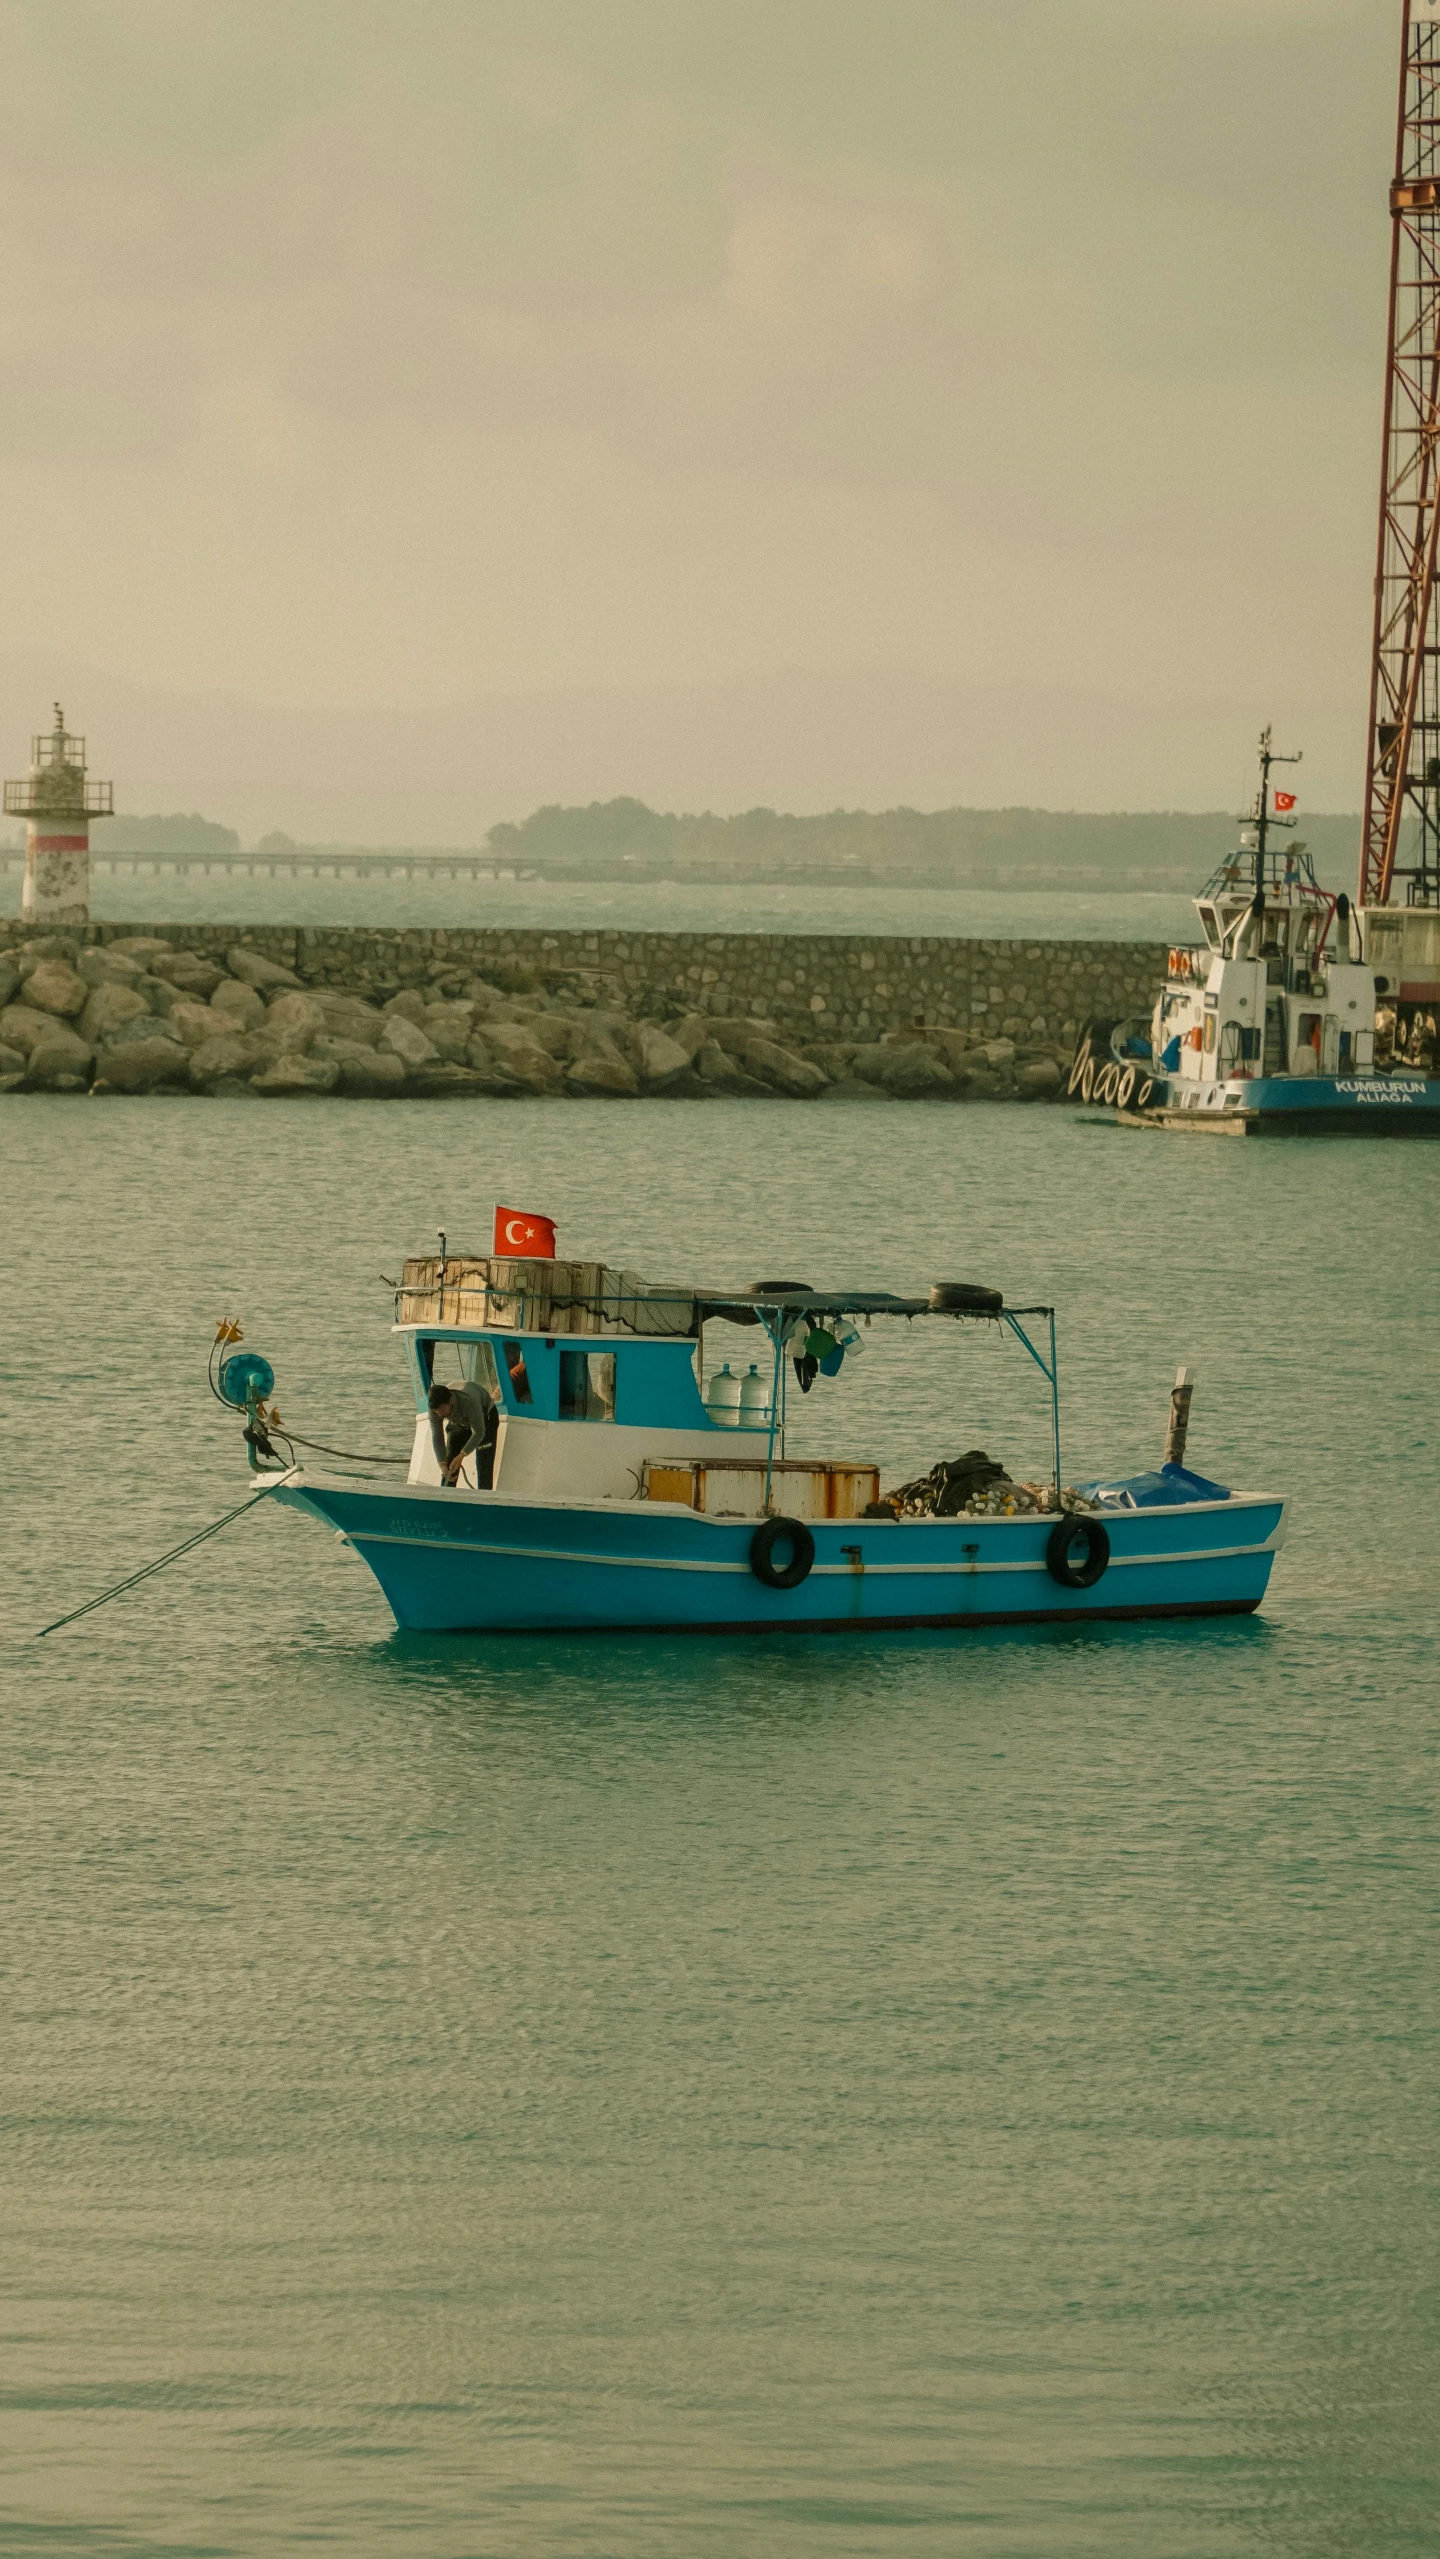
499,1009
831,985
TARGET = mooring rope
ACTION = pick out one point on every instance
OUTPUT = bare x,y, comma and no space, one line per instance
251,1503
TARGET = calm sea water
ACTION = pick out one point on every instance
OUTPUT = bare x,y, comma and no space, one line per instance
631,2098
640,906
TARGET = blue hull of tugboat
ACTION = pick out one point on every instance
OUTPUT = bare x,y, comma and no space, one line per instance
481,1563
1305,1105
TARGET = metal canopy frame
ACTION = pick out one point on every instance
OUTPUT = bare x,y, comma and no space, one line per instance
775,1314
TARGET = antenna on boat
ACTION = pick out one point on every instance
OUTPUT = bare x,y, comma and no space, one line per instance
1263,819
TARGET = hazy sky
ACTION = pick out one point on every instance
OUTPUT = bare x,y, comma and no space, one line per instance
792,400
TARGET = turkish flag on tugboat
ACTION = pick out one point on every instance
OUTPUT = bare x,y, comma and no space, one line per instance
528,1238
1284,800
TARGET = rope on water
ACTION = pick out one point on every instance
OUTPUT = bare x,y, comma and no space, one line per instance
250,1504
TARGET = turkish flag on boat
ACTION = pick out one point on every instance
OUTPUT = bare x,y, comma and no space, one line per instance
1284,801
528,1238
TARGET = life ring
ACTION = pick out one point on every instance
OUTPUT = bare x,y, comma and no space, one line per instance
1106,1082
1058,1561
776,1532
1124,1089
1082,1056
1087,1079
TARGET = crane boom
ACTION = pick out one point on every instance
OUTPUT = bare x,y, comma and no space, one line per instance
1402,778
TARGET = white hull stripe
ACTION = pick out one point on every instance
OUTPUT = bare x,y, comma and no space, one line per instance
842,1572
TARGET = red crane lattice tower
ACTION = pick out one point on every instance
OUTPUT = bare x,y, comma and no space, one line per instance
1401,841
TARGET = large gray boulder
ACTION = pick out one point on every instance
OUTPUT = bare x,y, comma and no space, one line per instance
409,1006
602,1071
143,948
253,970
144,1026
139,1065
1039,1078
512,1046
21,1025
293,1019
719,1072
293,1076
915,1074
735,1033
783,1068
186,971
224,1057
59,1060
55,987
9,980
12,1063
347,1018
238,1002
690,1032
448,1027
563,1036
960,1050
661,1058
194,1022
110,1005
404,1039
362,1067
107,966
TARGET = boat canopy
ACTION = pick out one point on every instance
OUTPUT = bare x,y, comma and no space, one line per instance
751,1306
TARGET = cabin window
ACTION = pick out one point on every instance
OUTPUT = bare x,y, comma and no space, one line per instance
587,1386
518,1373
462,1364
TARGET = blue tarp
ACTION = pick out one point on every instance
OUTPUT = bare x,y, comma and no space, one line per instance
1147,1492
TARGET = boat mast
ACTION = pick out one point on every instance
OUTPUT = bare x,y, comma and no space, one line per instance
1263,819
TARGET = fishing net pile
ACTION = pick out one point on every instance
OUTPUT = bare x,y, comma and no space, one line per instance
973,1486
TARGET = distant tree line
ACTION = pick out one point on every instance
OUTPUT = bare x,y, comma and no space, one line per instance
959,843
182,835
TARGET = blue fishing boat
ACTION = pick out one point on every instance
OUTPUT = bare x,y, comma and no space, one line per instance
620,1475
1296,1015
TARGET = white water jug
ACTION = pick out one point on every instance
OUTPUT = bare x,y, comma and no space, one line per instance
754,1401
722,1403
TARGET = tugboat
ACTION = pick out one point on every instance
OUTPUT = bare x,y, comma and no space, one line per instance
612,1484
1282,1021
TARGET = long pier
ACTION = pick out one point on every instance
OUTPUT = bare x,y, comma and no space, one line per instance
288,866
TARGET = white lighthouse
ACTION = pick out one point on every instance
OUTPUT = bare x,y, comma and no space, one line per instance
59,803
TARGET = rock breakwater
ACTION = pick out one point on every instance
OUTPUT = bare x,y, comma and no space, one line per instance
284,1012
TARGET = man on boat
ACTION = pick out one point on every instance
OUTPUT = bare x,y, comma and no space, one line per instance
463,1418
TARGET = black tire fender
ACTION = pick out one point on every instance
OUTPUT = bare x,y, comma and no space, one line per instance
1124,1089
1087,1079
775,1532
1082,1060
1060,1564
